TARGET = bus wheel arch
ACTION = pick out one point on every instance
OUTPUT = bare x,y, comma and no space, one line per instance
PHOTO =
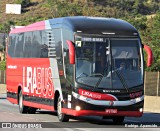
22,108
56,99
19,89
58,106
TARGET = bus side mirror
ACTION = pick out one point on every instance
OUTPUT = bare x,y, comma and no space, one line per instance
71,52
149,55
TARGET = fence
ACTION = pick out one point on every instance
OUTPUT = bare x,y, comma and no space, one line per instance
151,86
2,77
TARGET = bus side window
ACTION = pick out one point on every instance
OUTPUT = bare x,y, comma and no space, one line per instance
44,45
19,45
68,66
11,45
36,44
67,35
59,53
27,45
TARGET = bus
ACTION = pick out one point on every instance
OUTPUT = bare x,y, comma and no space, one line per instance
77,66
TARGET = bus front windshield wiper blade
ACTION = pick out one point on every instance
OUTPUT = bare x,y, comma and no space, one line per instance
98,82
120,76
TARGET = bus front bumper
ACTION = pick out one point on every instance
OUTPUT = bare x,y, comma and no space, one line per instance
101,113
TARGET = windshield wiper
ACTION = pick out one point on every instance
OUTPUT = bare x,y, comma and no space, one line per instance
98,82
119,74
79,76
100,79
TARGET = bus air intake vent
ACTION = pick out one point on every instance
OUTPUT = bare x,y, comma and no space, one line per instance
51,44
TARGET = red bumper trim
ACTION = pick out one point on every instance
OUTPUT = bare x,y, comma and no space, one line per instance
12,100
101,113
37,105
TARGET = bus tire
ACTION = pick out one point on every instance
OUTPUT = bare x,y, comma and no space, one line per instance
118,120
61,116
22,109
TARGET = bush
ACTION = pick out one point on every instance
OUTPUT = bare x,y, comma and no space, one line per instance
3,65
23,2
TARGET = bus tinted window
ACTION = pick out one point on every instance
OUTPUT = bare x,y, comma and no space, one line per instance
40,44
44,45
11,45
19,45
27,44
36,44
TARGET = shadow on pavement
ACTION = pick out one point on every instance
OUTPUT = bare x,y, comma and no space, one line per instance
3,96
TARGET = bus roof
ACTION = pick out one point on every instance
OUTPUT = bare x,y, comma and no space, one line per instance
85,25
35,26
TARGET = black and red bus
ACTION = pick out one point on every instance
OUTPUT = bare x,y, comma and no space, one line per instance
77,66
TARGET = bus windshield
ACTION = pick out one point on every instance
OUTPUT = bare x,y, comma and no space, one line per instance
109,63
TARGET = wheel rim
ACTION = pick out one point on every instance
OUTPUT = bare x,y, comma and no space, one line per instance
59,108
20,102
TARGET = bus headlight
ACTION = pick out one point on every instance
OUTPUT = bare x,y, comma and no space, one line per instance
78,108
141,110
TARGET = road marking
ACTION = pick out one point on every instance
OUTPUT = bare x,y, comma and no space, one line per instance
131,120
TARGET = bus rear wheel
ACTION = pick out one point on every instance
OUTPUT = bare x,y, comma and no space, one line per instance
61,116
22,109
118,120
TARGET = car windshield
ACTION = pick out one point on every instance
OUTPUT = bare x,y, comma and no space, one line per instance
108,63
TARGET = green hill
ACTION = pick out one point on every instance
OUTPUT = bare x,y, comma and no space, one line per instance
35,11
43,9
143,14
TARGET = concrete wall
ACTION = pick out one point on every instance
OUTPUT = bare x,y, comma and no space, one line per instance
152,104
2,88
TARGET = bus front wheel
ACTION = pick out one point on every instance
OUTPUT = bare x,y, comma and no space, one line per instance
61,116
22,109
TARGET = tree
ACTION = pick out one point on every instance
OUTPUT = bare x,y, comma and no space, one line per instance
54,6
5,28
1,48
3,65
152,38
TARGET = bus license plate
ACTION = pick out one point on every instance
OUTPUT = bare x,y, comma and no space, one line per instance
111,110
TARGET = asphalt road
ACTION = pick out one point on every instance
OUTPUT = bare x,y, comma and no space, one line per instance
9,114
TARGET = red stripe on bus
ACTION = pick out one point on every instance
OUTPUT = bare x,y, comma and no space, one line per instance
12,100
36,105
97,96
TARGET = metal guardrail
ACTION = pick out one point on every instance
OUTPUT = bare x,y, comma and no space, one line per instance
151,80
